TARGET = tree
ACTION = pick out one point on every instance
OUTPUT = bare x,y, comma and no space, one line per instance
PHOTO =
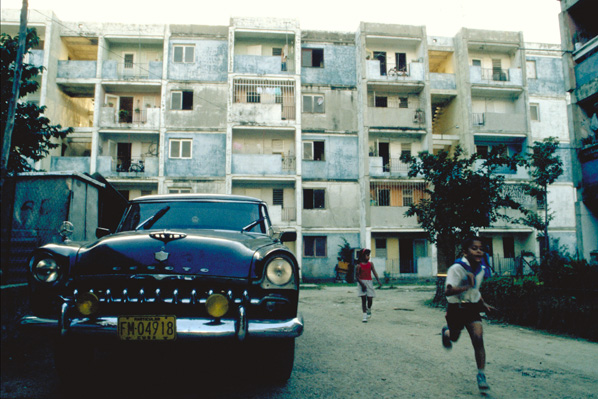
463,196
33,135
544,168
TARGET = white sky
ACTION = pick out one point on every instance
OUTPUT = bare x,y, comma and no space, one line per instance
538,19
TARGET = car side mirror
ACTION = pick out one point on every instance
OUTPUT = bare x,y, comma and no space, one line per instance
288,236
102,232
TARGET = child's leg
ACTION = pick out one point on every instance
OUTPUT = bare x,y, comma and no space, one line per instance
475,331
363,303
370,302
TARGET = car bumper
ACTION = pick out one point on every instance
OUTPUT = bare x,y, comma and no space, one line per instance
187,328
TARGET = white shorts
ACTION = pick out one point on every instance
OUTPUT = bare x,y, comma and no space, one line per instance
369,285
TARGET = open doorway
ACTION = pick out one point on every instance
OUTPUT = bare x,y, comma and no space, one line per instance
125,112
123,155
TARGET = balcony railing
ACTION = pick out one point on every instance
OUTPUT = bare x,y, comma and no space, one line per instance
146,118
394,166
132,70
397,194
276,98
289,214
501,122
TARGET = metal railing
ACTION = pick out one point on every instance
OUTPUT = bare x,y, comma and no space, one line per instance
264,91
396,193
129,164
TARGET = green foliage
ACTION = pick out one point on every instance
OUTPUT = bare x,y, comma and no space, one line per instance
544,168
464,195
345,253
33,134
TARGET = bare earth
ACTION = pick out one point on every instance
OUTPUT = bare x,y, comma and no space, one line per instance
398,354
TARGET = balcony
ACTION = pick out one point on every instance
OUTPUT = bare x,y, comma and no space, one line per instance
263,164
261,65
76,69
280,215
63,164
484,79
393,168
395,118
413,72
128,167
260,101
390,200
113,70
148,118
494,122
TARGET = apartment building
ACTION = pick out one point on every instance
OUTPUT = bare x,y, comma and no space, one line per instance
579,41
312,122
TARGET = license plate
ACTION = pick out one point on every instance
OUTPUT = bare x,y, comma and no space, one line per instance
147,328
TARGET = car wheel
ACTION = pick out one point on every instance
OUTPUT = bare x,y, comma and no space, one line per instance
280,364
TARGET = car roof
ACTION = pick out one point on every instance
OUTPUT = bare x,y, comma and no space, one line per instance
196,197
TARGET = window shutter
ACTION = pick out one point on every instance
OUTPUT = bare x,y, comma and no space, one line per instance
306,58
175,149
178,54
308,150
307,104
176,101
189,54
319,104
186,150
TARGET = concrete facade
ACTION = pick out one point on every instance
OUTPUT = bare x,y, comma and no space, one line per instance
312,122
579,41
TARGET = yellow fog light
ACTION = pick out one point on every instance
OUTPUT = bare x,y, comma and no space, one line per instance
87,303
217,305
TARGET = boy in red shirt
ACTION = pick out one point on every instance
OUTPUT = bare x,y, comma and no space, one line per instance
365,286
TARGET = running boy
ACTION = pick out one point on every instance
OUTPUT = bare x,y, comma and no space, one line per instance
465,303
365,286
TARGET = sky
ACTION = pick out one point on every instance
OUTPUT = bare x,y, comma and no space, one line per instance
538,19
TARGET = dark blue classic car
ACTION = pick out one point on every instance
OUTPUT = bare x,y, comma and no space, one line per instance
178,267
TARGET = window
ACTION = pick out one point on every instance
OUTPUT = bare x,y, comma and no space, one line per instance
403,102
313,103
184,54
531,69
381,248
179,190
401,62
181,100
277,51
381,102
482,150
407,197
313,151
313,199
180,148
312,57
477,63
129,60
534,111
405,150
278,197
314,246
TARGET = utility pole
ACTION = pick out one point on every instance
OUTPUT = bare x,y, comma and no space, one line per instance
16,87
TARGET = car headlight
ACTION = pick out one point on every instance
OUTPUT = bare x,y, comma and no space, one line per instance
46,270
279,271
87,303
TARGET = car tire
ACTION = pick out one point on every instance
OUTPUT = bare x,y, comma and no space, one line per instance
280,365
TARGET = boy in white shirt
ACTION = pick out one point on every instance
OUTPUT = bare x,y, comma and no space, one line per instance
465,302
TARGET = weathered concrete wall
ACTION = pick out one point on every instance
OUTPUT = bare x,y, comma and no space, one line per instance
211,60
209,106
549,77
342,206
208,156
323,268
339,115
339,66
341,160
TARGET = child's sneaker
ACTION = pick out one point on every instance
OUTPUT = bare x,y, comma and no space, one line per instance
482,384
365,318
446,341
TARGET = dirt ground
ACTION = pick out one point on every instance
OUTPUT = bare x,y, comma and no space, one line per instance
397,354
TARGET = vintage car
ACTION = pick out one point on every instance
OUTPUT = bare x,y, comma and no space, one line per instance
178,268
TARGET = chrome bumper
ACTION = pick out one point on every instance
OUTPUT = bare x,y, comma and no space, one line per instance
187,328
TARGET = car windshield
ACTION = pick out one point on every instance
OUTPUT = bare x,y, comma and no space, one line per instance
197,215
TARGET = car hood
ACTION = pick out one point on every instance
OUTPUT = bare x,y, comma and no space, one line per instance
192,252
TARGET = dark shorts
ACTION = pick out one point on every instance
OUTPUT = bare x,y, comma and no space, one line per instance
458,315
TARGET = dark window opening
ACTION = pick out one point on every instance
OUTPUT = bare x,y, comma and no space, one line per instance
314,246
312,57
381,102
313,199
